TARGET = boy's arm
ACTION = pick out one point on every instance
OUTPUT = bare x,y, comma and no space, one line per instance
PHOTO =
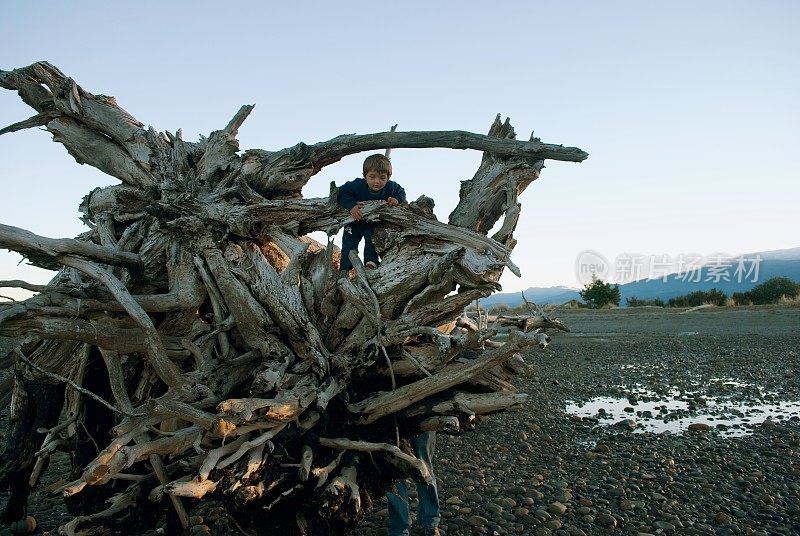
399,193
347,196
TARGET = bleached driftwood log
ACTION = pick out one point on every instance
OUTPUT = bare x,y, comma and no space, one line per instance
205,345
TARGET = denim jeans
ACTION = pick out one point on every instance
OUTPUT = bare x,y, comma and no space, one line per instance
351,236
428,517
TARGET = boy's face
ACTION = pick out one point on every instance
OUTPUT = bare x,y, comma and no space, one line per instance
376,180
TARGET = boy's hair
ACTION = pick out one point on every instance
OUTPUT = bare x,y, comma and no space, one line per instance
379,163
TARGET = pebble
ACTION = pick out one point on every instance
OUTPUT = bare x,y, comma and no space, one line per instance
564,497
606,520
477,521
553,524
722,519
493,508
663,525
557,508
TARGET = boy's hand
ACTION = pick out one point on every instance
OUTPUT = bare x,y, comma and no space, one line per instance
392,202
355,212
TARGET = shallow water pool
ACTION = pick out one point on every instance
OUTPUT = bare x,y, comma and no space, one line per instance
743,406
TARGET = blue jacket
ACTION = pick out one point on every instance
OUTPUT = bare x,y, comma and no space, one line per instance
357,190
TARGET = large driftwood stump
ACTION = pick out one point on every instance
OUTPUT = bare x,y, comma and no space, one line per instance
204,343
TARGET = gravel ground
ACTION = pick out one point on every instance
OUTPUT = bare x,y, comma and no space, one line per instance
543,471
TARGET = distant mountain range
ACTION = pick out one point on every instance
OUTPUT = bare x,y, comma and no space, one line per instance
722,276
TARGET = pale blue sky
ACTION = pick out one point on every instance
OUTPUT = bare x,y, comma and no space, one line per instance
688,109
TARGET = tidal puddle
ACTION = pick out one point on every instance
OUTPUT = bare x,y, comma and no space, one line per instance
733,414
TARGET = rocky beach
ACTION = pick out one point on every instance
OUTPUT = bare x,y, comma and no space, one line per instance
639,421
727,381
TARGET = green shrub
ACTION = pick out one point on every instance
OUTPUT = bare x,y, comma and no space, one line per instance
699,297
598,294
636,302
770,291
742,298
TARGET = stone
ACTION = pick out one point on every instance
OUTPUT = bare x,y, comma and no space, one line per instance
557,508
564,496
606,520
722,519
627,424
477,521
553,524
494,508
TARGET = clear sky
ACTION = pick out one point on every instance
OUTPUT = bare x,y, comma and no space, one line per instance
689,110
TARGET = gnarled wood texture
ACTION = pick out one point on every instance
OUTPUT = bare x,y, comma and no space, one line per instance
236,364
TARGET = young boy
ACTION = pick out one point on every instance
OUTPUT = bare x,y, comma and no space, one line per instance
373,187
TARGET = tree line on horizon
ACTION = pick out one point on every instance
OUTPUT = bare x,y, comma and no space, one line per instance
599,294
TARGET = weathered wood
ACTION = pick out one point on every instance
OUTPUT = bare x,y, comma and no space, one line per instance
226,338
528,323
326,153
45,251
386,403
413,466
165,368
